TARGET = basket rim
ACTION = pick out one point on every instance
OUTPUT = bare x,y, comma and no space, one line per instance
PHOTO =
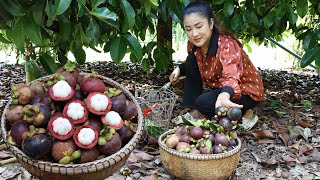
201,157
112,159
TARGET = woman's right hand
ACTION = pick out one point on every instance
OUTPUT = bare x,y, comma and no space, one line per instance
174,75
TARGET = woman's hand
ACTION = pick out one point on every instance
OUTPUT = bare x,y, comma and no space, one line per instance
224,100
174,75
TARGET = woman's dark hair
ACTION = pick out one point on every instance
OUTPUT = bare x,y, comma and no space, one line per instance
205,10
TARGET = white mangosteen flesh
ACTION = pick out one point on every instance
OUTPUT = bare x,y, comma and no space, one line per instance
75,111
86,136
113,118
99,102
61,126
61,89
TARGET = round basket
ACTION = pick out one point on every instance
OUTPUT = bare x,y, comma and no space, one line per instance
99,169
198,166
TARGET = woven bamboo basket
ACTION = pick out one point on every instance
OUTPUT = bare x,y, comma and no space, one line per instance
198,166
99,169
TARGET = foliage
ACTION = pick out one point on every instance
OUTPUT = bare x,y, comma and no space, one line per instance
46,30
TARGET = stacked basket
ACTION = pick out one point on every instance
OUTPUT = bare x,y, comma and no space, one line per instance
99,169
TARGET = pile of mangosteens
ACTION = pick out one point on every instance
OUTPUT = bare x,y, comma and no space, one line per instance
70,118
206,136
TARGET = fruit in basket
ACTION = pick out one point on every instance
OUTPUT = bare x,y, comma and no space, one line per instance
217,149
60,149
196,132
19,131
221,111
113,120
92,84
61,91
36,146
60,127
222,139
88,155
130,111
181,130
194,151
85,137
206,147
14,113
183,147
98,103
72,81
76,110
226,124
110,143
38,88
118,103
234,114
43,98
172,141
126,132
70,67
21,94
37,114
95,122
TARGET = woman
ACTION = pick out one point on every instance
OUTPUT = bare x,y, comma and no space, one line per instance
216,59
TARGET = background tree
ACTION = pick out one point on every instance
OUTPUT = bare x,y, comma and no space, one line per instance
44,31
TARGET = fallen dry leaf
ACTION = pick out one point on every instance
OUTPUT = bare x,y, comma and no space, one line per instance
305,148
296,130
5,154
305,124
266,141
153,176
143,156
258,134
284,136
296,145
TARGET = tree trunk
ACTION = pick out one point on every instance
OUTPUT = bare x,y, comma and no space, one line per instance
164,37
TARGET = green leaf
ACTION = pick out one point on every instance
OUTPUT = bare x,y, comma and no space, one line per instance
18,35
310,56
104,13
32,30
79,54
11,7
213,127
302,7
134,46
113,3
129,15
280,11
309,40
293,17
228,8
65,31
81,37
162,60
188,122
93,31
118,48
4,40
32,70
154,2
146,64
60,6
236,22
269,19
152,129
48,63
82,2
218,2
37,15
96,3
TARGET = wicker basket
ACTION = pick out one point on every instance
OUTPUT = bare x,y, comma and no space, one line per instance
99,169
198,166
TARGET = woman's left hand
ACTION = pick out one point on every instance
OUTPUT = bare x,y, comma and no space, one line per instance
224,100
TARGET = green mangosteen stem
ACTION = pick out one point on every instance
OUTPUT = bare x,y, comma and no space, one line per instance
76,155
65,160
15,94
102,141
208,144
70,66
15,101
38,119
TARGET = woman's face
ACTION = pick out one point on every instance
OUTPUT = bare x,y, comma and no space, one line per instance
198,29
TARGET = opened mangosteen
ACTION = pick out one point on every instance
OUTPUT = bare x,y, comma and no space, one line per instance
37,145
61,91
21,94
88,155
90,84
86,137
110,143
60,127
130,111
19,131
60,149
113,120
76,110
37,114
14,113
234,114
98,103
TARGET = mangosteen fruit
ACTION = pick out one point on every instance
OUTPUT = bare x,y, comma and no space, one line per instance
234,114
14,113
70,67
126,133
222,139
226,124
221,111
232,142
76,110
43,98
37,145
194,151
181,130
172,141
196,132
185,138
38,88
72,81
118,103
217,149
60,127
229,148
95,122
79,95
88,155
130,111
92,84
98,103
152,140
61,91
21,94
37,114
86,137
183,147
211,138
112,145
233,134
60,149
19,131
113,120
